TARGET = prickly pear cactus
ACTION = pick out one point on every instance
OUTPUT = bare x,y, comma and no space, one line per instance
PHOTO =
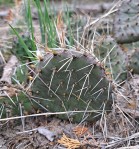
134,61
113,58
14,106
14,102
65,81
126,22
72,81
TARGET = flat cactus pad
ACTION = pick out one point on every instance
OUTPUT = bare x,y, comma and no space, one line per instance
126,22
113,58
72,81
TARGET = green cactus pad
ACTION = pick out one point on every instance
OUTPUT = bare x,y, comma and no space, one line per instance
16,102
14,106
113,58
72,81
134,61
126,22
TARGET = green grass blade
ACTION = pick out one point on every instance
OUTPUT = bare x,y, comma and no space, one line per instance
23,44
30,23
49,25
71,38
41,20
